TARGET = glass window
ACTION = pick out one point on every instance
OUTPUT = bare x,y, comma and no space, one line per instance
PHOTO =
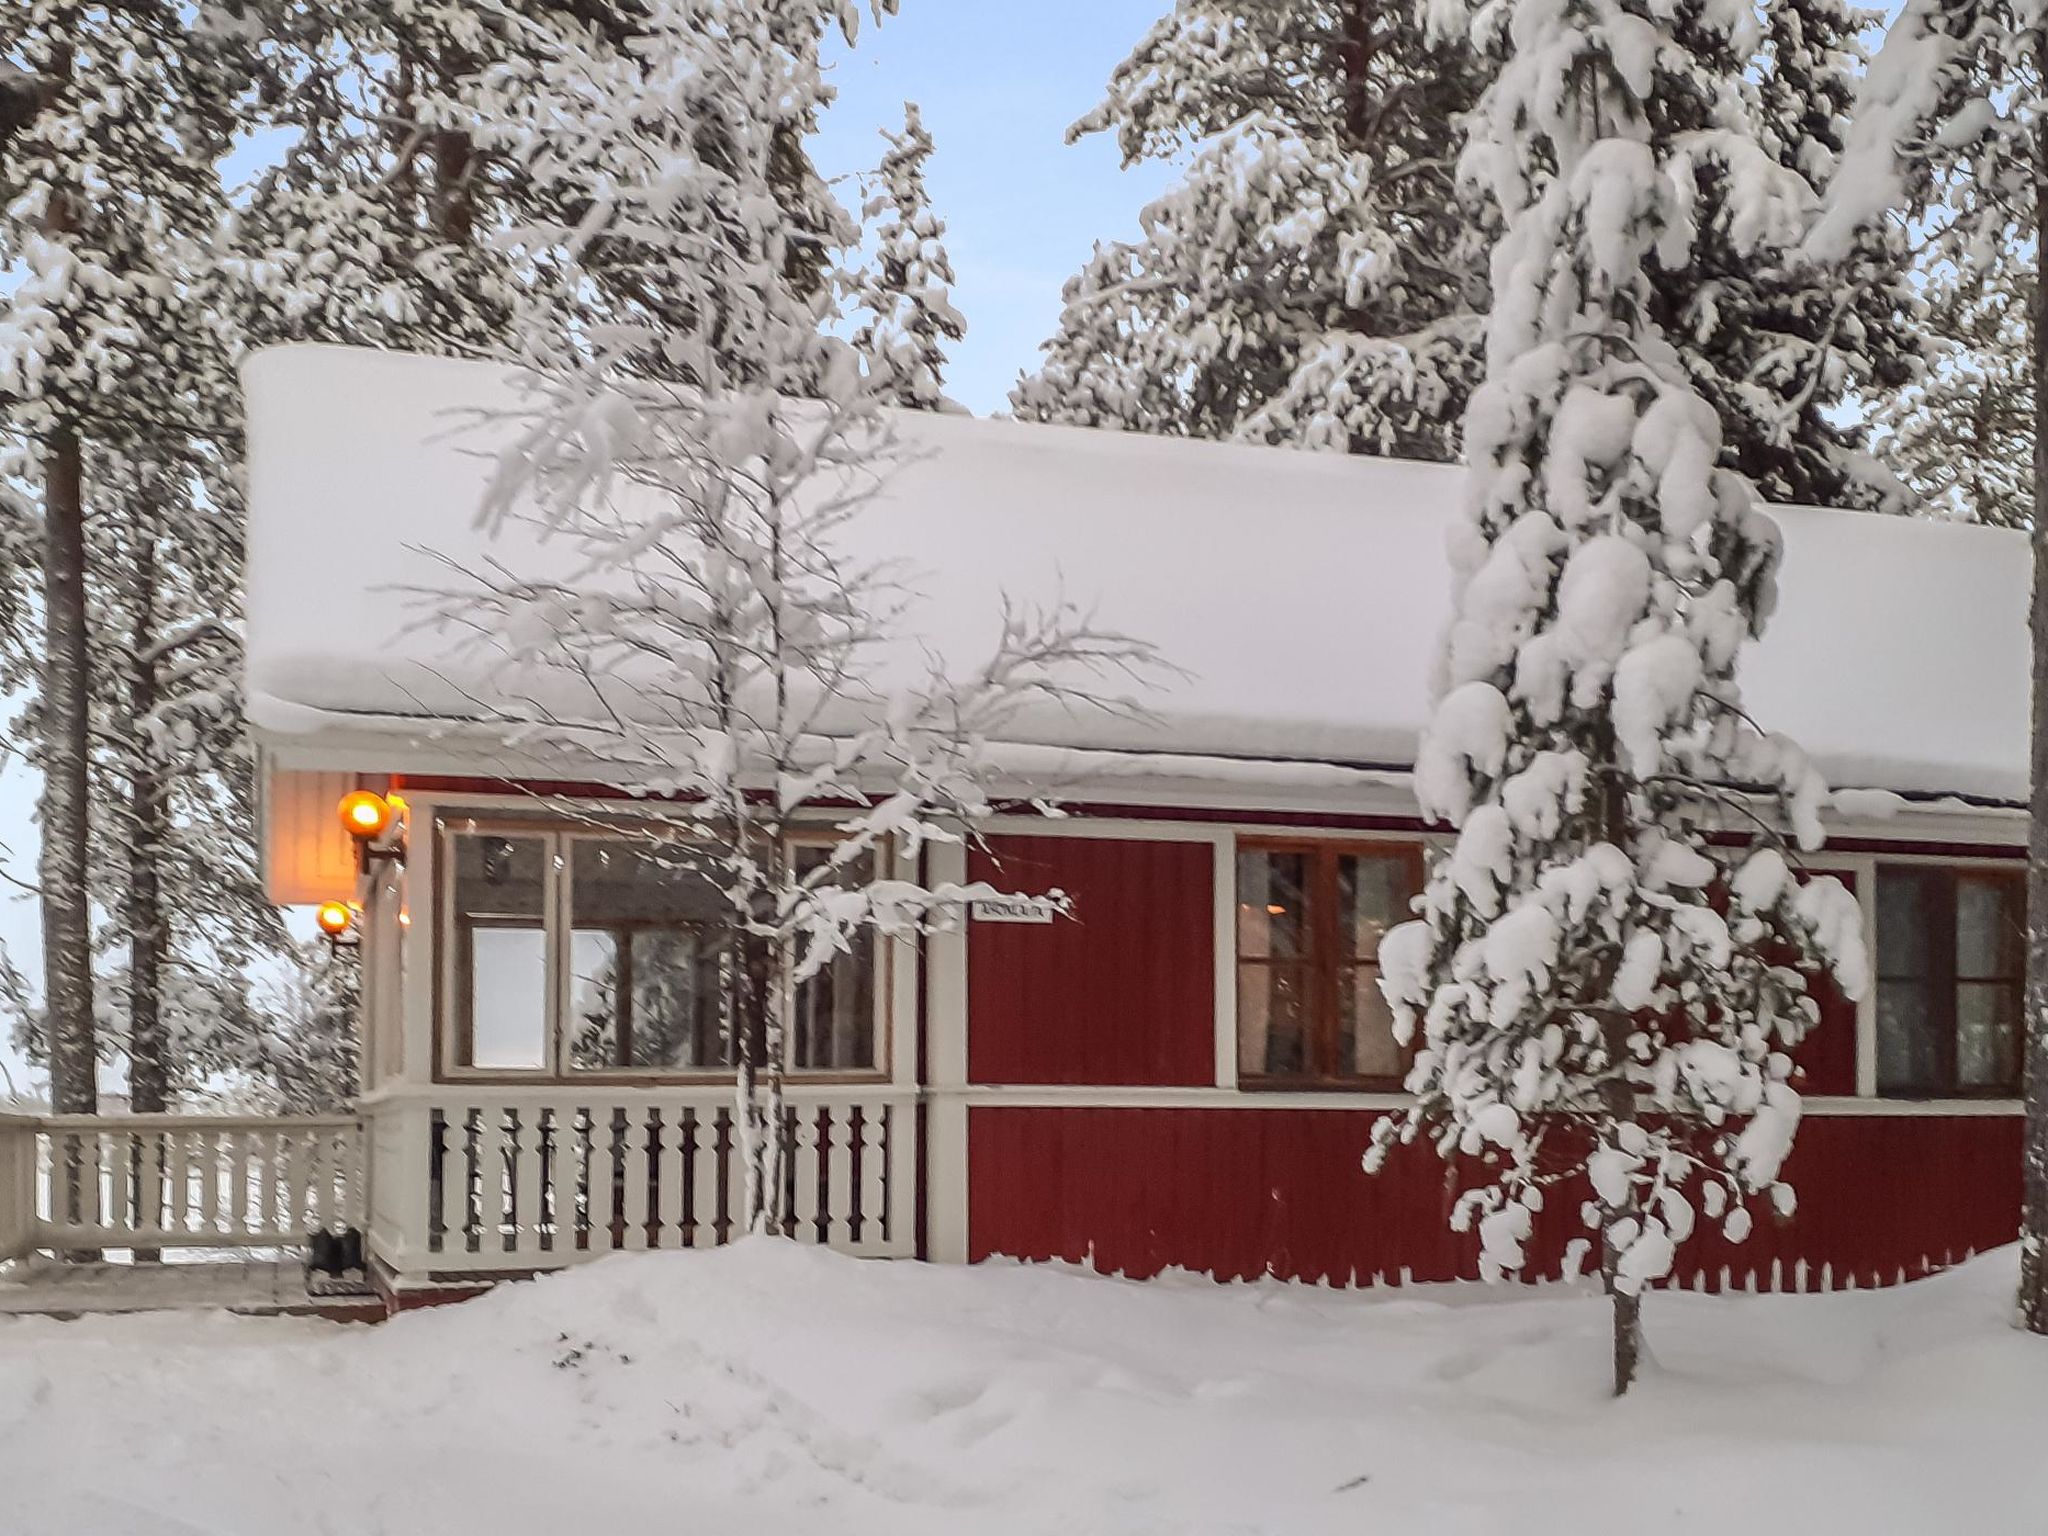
1951,963
1272,963
1309,922
833,1030
647,939
500,902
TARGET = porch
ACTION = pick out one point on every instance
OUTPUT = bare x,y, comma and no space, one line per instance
447,1186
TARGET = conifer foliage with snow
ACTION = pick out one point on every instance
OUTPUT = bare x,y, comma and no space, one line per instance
712,640
1318,277
907,291
1953,106
1962,435
116,367
1595,987
1315,277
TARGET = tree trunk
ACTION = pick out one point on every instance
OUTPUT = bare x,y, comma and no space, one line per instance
454,201
149,810
142,910
1355,54
1620,1095
62,813
2033,1297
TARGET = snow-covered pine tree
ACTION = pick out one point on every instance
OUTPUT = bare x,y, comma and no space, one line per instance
1773,338
1315,277
907,290
734,658
1597,987
372,226
174,785
307,1059
1961,437
115,119
1952,109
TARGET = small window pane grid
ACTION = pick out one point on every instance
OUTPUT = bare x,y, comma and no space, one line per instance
624,939
1951,970
1309,921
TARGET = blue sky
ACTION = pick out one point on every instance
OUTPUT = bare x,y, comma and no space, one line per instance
998,82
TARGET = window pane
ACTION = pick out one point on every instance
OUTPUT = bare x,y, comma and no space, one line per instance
500,891
1366,1046
1271,1020
1903,902
647,926
593,999
1990,927
1908,1055
1988,1035
1372,896
1271,904
509,985
834,1027
653,1003
835,1014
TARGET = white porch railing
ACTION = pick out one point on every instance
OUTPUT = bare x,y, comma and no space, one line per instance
165,1181
472,1180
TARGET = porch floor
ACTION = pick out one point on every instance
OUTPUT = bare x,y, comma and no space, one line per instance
259,1287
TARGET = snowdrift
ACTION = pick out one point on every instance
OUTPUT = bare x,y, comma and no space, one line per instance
772,1388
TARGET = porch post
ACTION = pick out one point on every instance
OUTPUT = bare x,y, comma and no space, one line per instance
945,1142
397,1160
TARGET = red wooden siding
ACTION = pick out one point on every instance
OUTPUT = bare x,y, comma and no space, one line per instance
1245,1192
1123,992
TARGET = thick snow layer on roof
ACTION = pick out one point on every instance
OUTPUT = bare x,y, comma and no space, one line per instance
1300,594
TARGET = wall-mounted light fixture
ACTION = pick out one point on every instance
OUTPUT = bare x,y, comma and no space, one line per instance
371,819
337,919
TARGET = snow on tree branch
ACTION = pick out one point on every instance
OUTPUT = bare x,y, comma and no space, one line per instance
701,632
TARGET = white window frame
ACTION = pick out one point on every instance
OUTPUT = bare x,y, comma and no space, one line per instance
558,833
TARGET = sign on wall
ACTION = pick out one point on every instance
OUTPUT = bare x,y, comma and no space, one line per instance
1015,909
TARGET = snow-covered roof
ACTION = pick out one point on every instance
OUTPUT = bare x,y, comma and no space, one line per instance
1300,594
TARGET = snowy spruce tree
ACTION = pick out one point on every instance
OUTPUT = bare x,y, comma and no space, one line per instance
1316,276
110,351
1961,437
1950,114
907,290
174,781
715,642
371,227
1598,987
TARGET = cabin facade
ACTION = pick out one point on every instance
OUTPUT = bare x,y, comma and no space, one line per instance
1186,1070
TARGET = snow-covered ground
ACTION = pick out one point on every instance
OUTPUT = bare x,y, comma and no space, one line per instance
768,1388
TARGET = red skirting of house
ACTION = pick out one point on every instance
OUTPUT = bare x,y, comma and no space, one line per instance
1239,1193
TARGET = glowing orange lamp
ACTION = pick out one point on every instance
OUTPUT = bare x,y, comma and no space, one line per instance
368,816
365,814
335,918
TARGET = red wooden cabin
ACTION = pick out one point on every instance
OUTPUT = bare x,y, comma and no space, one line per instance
1185,1072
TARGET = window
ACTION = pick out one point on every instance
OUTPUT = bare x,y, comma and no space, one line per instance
501,889
580,951
647,942
1309,921
1951,967
833,1030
